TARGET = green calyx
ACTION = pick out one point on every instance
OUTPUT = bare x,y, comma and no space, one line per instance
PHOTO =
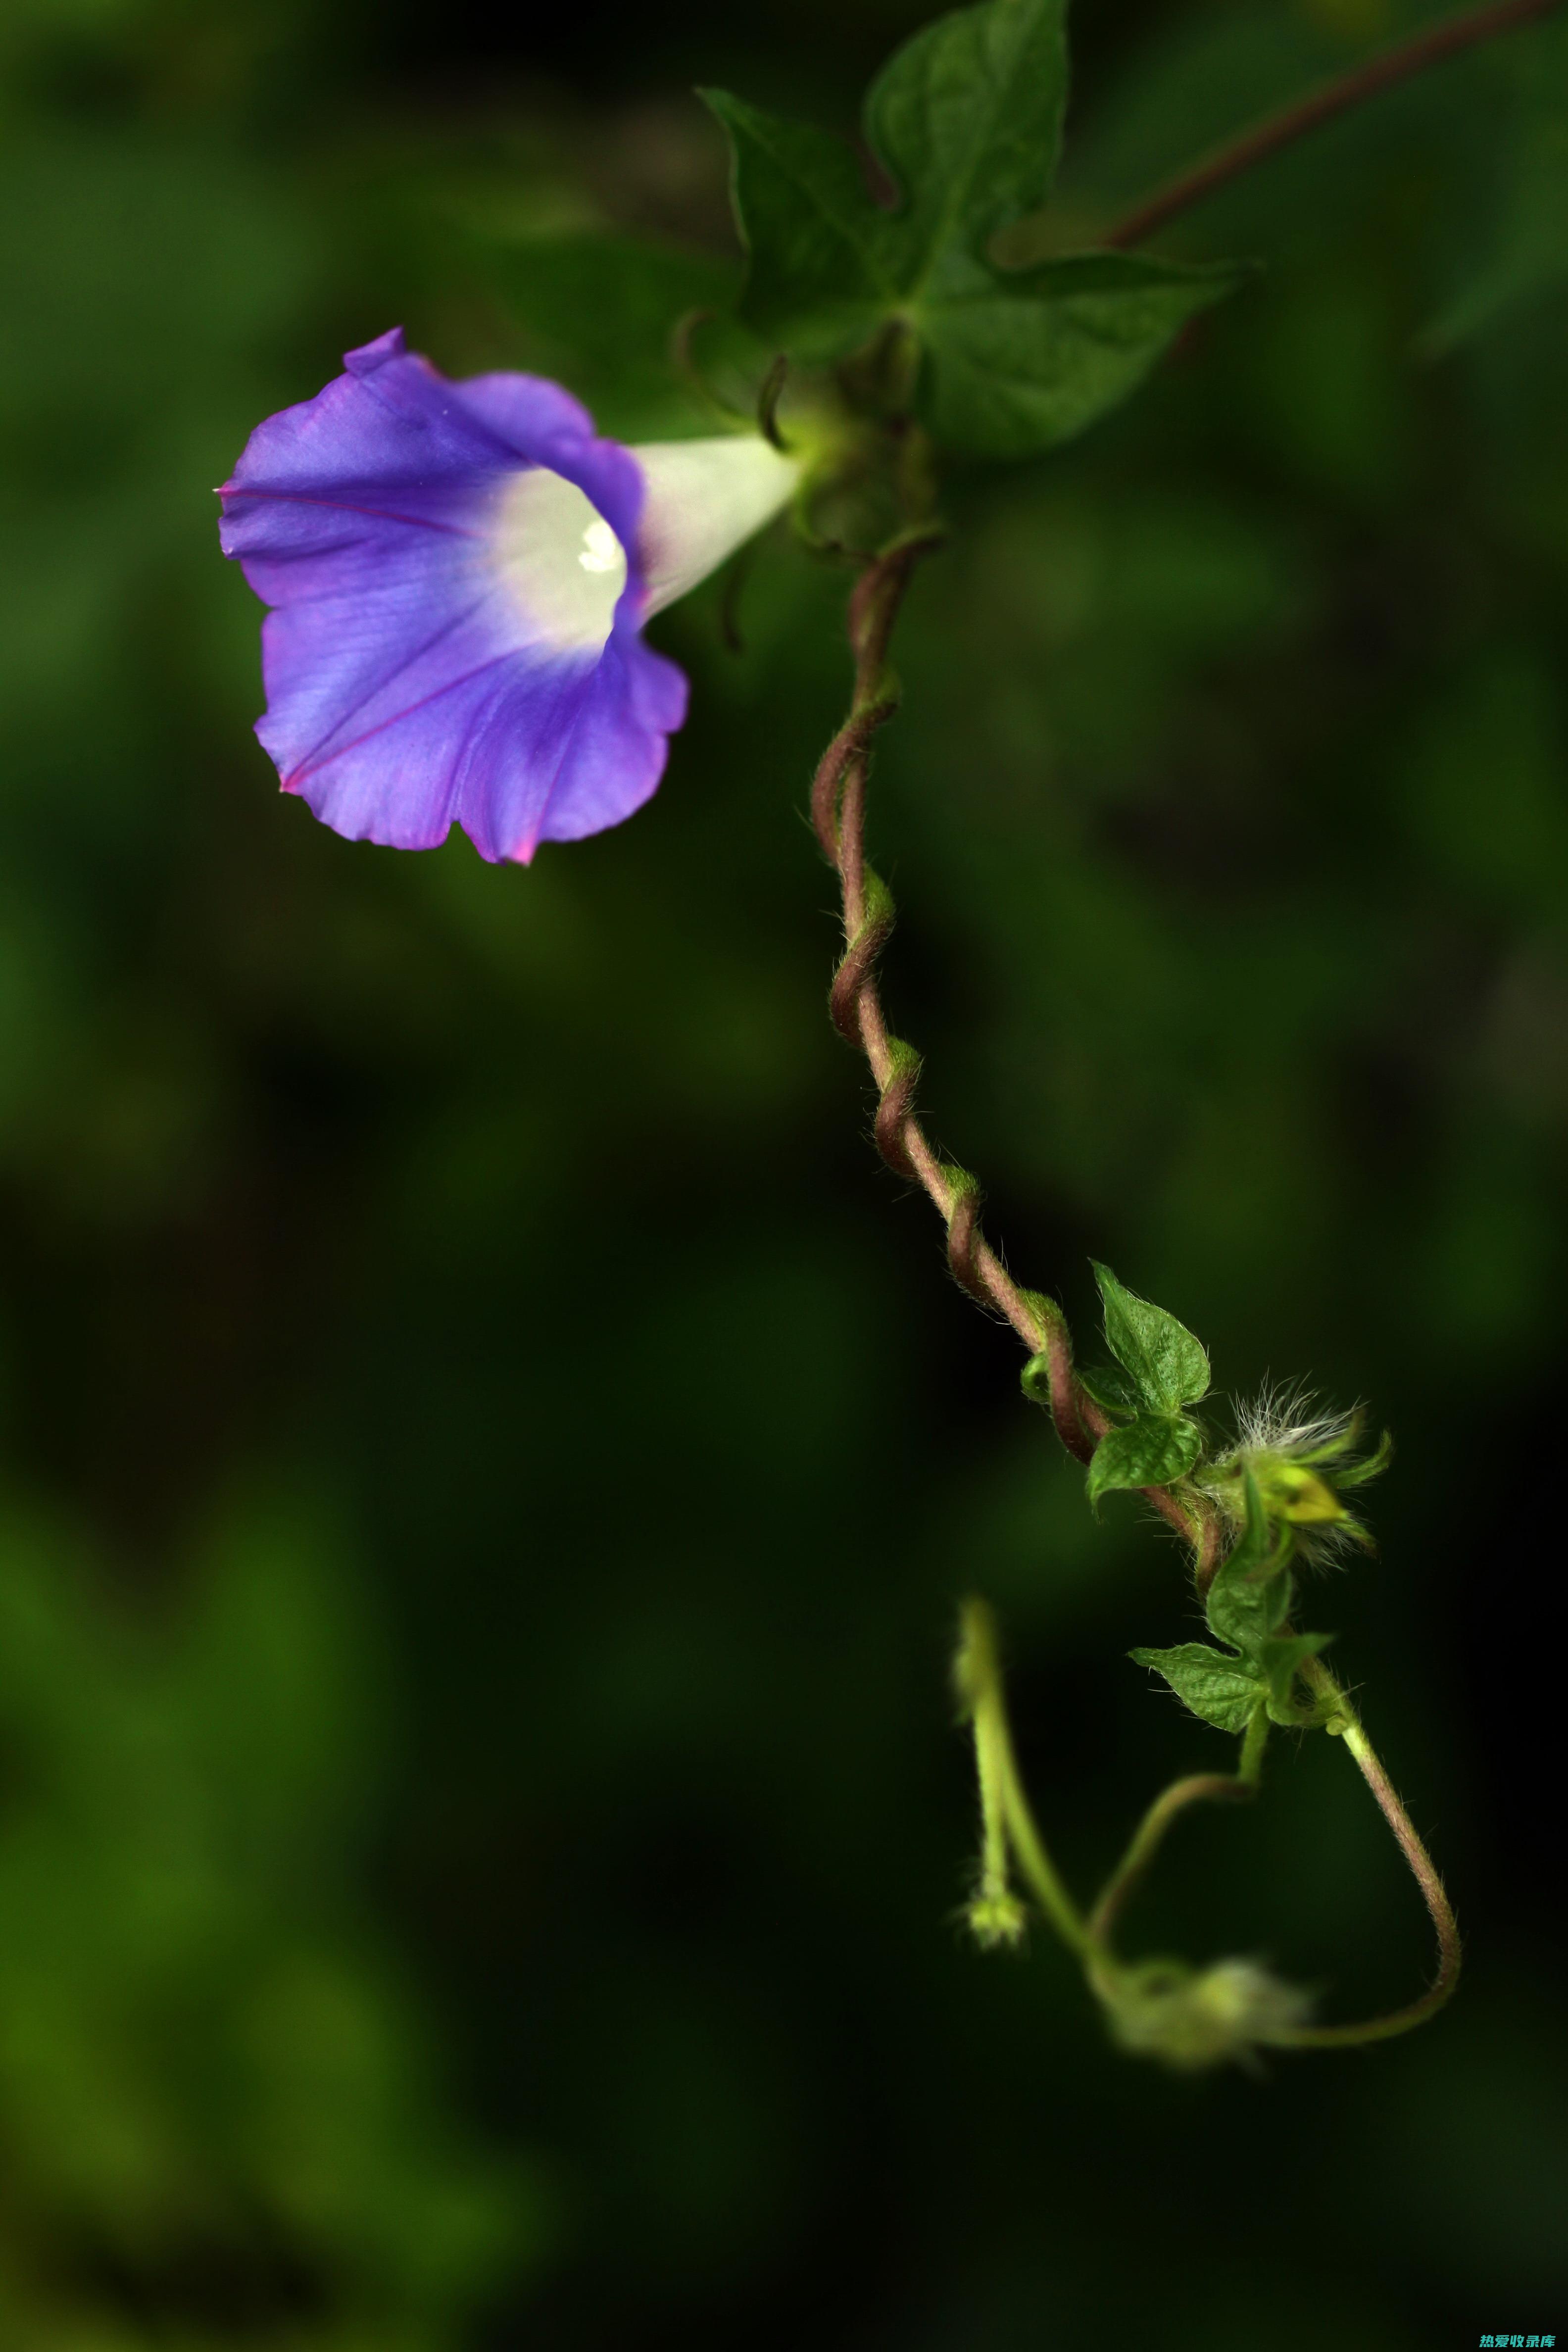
1301,1467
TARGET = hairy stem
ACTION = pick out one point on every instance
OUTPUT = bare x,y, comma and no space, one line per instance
1346,1724
838,814
1197,1788
1275,132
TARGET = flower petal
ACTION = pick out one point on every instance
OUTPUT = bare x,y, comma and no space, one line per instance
418,668
515,753
617,754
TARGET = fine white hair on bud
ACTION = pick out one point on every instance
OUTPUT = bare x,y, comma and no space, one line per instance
1284,1418
1298,1458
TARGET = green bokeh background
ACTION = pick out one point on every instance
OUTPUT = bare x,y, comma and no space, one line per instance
490,1458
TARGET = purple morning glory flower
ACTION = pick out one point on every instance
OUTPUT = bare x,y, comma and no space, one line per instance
459,575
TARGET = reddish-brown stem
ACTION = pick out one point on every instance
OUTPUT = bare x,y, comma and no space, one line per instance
838,815
1208,1552
1423,1869
1266,138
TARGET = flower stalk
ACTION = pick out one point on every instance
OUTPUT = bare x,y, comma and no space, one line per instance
1344,1723
1007,1822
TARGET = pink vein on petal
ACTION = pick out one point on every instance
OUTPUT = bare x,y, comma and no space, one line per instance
342,506
523,853
319,757
296,776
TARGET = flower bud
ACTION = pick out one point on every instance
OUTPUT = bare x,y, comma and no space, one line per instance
1190,2020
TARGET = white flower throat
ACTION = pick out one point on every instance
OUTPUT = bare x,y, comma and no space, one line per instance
602,550
563,567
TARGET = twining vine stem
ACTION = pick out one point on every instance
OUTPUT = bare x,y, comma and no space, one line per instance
1265,138
838,815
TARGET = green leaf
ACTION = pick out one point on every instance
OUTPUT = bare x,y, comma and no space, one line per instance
1225,1692
1109,1387
1020,362
966,120
1249,1597
967,117
822,257
1281,1659
1148,1452
1168,1365
1248,1600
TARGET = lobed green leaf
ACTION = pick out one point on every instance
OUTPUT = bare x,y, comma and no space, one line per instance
1021,361
820,273
965,119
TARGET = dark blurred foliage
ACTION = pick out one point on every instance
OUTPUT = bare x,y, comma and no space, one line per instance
492,1458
